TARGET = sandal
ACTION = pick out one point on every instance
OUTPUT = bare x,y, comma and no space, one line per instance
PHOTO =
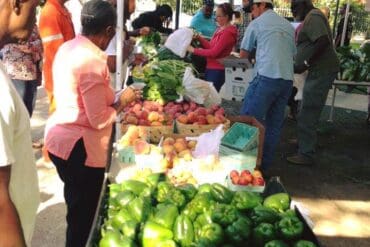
38,144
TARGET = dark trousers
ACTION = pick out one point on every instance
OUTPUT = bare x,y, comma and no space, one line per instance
28,91
216,76
82,186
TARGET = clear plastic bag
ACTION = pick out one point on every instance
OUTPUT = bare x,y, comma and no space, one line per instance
209,143
200,91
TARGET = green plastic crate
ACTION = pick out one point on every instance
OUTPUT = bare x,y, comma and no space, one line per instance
241,137
126,155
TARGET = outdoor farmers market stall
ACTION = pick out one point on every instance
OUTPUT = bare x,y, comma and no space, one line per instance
182,173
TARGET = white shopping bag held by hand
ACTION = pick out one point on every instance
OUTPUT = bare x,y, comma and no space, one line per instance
179,41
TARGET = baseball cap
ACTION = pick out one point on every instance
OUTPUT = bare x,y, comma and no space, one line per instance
262,1
209,3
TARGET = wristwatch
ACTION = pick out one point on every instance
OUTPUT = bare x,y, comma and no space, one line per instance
306,63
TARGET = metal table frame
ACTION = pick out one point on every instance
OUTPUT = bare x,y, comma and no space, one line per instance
343,83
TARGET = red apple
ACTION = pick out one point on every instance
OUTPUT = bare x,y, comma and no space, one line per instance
247,176
258,181
235,180
234,173
243,181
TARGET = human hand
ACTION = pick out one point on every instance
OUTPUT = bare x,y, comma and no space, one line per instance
139,59
144,31
300,68
190,49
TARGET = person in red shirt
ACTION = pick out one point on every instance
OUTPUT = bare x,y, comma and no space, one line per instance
220,46
55,28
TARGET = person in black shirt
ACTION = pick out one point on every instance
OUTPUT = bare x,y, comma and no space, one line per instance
157,19
348,33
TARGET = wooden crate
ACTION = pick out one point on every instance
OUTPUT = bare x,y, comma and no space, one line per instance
154,133
196,129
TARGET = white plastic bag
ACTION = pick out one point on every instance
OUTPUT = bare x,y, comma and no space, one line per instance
298,82
209,143
179,41
200,91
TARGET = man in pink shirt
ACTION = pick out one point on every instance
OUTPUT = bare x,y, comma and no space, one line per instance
77,134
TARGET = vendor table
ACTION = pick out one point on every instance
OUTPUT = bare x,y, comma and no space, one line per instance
343,83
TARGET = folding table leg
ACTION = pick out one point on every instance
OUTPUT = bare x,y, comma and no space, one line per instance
332,104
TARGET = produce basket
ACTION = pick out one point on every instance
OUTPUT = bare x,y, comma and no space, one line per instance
197,129
154,133
241,137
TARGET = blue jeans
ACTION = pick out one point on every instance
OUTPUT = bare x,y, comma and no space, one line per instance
216,76
266,99
27,90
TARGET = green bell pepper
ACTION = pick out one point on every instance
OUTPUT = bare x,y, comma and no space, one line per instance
166,192
263,233
177,198
166,243
304,243
121,217
204,188
123,198
210,235
276,243
115,239
114,189
221,194
129,228
140,208
239,231
245,200
154,233
166,215
203,203
204,219
153,179
188,190
262,214
163,191
133,185
224,214
190,211
288,213
278,202
183,230
290,228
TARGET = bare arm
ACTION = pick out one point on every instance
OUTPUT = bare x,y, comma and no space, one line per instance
11,233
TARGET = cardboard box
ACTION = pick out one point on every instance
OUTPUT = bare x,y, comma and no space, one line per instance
238,74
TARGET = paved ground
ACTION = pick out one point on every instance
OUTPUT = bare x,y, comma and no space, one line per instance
335,191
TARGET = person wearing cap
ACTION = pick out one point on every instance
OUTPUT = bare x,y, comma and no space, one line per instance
157,19
77,134
204,20
315,54
272,36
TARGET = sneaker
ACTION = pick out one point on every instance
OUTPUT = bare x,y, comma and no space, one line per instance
299,159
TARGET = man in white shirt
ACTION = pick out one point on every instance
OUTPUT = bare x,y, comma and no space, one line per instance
19,192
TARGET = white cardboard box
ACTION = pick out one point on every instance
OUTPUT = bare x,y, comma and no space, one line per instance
236,83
